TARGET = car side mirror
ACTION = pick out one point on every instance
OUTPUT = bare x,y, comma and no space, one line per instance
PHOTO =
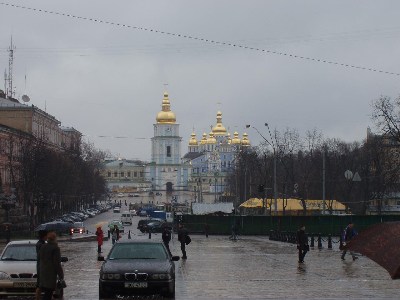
64,259
100,258
175,258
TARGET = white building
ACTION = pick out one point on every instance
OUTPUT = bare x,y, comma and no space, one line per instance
166,170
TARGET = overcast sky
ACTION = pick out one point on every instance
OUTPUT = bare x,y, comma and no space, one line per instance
109,80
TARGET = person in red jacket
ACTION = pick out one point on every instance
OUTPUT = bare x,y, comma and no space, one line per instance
100,236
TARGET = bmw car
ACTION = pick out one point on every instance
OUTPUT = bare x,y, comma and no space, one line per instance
137,268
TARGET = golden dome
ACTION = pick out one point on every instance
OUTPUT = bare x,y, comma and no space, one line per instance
219,129
211,139
204,139
236,140
245,140
229,138
166,116
193,140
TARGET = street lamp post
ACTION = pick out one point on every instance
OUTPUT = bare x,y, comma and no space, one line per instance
274,151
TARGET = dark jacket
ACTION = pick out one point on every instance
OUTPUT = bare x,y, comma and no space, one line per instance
349,233
302,239
166,236
116,230
182,234
50,265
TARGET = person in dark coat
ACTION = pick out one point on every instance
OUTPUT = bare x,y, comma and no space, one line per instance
302,243
348,234
100,237
50,266
114,234
166,237
7,234
39,244
182,236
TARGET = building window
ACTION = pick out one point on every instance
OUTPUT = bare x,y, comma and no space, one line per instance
129,174
168,151
109,174
135,174
122,174
115,174
398,202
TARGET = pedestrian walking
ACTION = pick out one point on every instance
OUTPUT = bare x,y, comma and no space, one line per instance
348,234
100,237
115,234
7,233
39,244
235,230
166,237
183,238
302,243
50,266
206,229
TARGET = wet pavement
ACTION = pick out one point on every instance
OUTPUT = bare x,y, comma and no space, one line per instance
250,268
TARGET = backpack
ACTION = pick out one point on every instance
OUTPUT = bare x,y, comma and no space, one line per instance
187,239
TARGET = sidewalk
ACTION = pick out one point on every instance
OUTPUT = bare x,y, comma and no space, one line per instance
257,268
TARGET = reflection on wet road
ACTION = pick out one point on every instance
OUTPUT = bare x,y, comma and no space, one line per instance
250,268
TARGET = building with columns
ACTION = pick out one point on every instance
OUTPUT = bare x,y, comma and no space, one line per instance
166,171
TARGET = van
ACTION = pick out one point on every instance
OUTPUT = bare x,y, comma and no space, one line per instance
126,218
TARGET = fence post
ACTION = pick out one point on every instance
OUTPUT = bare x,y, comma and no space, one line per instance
329,241
319,241
312,241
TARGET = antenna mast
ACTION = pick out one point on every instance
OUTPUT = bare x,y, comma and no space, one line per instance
10,91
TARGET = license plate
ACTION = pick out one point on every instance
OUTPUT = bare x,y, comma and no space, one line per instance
136,285
24,284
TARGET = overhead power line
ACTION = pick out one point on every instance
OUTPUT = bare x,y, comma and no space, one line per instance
190,37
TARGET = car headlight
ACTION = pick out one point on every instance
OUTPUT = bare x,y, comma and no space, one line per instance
110,276
4,276
162,276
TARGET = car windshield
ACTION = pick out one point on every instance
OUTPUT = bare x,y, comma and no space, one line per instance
138,251
20,253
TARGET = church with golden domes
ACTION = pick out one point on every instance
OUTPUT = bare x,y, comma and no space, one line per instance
204,169
166,171
212,160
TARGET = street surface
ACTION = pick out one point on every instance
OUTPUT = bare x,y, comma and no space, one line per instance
250,268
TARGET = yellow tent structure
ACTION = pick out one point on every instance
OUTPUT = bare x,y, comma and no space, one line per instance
293,206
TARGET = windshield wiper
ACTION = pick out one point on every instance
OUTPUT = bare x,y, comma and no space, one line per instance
9,258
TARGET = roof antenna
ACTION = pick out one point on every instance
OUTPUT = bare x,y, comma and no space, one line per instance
10,93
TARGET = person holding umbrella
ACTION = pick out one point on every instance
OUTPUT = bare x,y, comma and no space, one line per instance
100,237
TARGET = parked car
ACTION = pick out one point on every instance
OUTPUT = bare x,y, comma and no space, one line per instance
78,227
136,195
117,209
142,224
130,195
137,267
118,223
120,195
126,218
18,269
156,226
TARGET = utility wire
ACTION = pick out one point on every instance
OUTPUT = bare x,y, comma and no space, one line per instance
319,60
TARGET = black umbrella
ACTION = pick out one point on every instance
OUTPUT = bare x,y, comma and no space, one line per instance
381,243
55,226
